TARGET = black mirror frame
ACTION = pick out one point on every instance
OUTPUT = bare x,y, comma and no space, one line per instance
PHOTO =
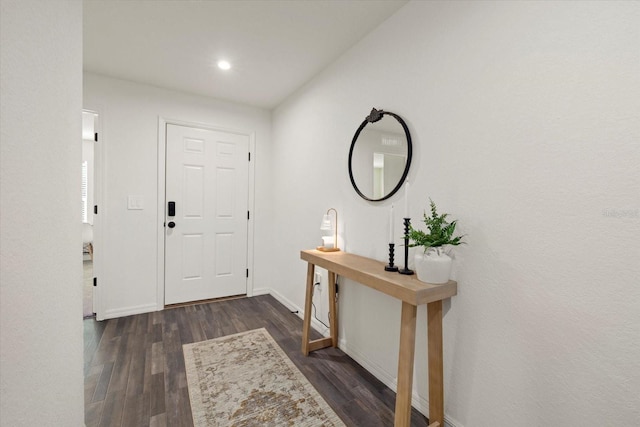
373,117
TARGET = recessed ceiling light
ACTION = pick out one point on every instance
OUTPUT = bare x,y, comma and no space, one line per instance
224,65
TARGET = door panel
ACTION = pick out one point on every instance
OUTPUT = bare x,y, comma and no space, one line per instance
207,175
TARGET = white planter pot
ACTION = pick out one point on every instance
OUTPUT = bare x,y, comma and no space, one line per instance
433,267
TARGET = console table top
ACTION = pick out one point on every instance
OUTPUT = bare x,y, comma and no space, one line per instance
371,273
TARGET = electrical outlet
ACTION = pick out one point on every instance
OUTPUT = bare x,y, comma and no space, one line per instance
317,278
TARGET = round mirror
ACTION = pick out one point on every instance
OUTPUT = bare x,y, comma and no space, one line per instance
380,156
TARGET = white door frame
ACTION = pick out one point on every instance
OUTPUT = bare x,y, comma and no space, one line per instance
162,143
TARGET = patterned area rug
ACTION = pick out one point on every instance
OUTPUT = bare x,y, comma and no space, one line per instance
247,380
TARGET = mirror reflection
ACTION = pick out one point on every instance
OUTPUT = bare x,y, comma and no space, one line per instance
380,156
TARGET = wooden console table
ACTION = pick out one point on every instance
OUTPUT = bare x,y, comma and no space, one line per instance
412,293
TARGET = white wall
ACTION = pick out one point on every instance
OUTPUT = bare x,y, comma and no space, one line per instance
129,115
524,117
41,381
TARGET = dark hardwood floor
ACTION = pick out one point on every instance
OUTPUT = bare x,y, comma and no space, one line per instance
135,376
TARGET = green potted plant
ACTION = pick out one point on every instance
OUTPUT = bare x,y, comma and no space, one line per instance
432,264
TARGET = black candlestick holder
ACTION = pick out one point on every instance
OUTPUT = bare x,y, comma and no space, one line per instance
405,270
391,267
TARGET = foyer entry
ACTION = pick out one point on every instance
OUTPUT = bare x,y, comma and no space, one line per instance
206,214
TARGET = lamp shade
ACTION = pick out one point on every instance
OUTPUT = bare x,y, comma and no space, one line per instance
326,223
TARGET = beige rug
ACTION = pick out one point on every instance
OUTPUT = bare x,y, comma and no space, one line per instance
247,380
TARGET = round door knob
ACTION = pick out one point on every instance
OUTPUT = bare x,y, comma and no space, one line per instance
171,224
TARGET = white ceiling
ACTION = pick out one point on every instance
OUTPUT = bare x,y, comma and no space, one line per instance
274,46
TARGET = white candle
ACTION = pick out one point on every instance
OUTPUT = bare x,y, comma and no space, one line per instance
391,225
406,199
327,242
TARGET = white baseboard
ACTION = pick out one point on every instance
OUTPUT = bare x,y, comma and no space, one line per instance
388,379
128,311
260,291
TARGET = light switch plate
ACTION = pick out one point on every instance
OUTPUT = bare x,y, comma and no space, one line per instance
135,203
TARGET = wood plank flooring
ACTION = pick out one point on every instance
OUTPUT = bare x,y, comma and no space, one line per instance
135,376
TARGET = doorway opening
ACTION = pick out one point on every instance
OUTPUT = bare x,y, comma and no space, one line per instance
89,138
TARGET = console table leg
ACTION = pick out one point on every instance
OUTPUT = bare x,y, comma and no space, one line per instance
306,325
436,384
405,365
333,310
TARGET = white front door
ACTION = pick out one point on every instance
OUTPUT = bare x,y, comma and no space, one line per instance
207,182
